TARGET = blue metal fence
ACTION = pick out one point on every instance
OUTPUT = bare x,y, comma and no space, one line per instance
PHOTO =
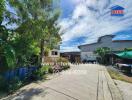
21,72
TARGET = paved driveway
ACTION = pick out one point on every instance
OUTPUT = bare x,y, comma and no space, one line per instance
81,82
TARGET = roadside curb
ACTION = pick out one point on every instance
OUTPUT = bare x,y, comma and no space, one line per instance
107,89
115,92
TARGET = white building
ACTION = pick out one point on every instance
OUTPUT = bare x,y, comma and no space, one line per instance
55,53
87,51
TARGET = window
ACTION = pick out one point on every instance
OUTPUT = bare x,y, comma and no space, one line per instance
54,53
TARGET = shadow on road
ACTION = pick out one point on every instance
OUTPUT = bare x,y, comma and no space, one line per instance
28,94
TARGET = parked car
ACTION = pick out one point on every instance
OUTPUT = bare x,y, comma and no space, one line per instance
89,61
124,67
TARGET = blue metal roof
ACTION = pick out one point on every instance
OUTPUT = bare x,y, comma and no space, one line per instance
117,8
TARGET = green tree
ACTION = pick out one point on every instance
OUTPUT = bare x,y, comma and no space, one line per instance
101,52
7,52
128,49
36,21
2,9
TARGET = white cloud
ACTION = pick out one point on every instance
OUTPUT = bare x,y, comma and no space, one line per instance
77,1
124,37
80,10
65,24
91,19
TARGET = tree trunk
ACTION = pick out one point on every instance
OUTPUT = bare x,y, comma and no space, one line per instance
42,52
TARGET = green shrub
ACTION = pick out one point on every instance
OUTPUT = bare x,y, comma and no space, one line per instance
14,85
65,67
42,71
2,84
45,68
63,60
10,86
50,70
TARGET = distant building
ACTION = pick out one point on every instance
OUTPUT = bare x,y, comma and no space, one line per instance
87,51
73,57
117,11
53,55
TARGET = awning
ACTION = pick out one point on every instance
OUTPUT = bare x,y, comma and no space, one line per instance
125,54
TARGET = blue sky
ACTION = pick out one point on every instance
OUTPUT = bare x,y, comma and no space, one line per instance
83,21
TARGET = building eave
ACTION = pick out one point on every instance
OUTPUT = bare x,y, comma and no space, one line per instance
98,41
121,40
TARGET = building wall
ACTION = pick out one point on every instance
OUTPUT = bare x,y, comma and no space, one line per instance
54,56
106,41
51,58
88,56
72,57
121,45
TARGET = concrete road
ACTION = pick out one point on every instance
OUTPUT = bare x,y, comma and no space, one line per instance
125,88
81,82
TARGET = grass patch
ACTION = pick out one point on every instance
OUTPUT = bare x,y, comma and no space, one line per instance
118,76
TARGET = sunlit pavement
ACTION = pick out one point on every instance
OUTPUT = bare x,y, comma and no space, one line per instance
81,82
125,88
